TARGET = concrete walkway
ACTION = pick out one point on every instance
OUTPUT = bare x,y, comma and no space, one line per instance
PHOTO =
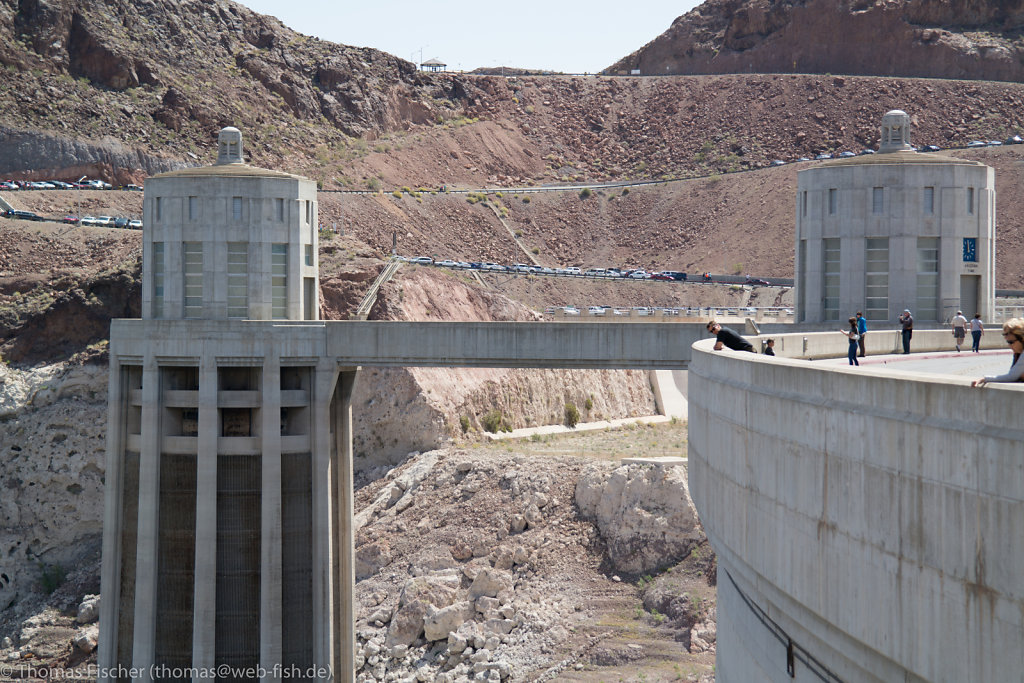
668,386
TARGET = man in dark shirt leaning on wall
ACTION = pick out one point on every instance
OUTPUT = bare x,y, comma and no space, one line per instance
727,337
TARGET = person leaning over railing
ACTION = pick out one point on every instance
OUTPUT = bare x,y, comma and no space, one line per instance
1013,332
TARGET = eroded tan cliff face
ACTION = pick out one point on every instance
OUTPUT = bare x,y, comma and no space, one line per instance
964,39
400,410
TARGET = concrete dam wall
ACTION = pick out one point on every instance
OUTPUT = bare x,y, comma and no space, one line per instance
867,521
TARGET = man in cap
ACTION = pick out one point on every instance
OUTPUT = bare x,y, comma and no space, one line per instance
907,321
959,329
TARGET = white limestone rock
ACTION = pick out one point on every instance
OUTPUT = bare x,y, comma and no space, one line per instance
88,610
439,624
418,595
490,582
87,639
643,512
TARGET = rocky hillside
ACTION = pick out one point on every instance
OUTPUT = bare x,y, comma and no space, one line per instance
962,39
124,89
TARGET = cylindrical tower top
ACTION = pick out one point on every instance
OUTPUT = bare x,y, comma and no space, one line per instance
895,132
229,146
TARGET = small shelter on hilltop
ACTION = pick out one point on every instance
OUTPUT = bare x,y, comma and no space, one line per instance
433,65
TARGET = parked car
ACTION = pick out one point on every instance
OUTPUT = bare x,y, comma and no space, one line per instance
60,184
931,148
72,220
755,281
866,151
105,221
447,263
86,221
8,185
40,185
846,155
1013,140
803,159
133,188
975,143
522,268
422,260
621,311
777,162
995,143
642,310
135,224
660,276
595,310
639,275
572,270
571,310
23,215
121,223
823,156
675,275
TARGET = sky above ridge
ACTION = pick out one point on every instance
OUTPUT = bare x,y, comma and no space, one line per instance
558,35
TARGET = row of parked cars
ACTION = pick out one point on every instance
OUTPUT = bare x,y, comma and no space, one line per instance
93,221
1012,140
80,184
571,271
642,311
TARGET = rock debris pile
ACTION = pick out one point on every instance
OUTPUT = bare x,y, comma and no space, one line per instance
483,568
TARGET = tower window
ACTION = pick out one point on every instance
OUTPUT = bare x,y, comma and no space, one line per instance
833,201
279,280
929,200
192,258
877,200
238,280
236,208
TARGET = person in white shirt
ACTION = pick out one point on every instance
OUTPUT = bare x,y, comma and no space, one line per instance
959,329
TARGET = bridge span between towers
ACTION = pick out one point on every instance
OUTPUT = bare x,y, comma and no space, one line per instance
203,408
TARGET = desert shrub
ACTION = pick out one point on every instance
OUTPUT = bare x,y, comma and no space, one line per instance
526,199
51,576
535,251
464,423
373,184
572,415
585,192
589,403
625,191
492,421
519,233
396,193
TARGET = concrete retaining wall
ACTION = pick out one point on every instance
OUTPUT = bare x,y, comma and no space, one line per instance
868,522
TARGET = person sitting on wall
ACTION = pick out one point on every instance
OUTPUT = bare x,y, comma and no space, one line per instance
726,337
769,348
1013,332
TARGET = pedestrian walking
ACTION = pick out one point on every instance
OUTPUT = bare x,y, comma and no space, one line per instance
907,321
959,329
862,329
854,337
977,329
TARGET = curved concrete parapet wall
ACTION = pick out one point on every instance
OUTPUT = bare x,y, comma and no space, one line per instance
869,523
